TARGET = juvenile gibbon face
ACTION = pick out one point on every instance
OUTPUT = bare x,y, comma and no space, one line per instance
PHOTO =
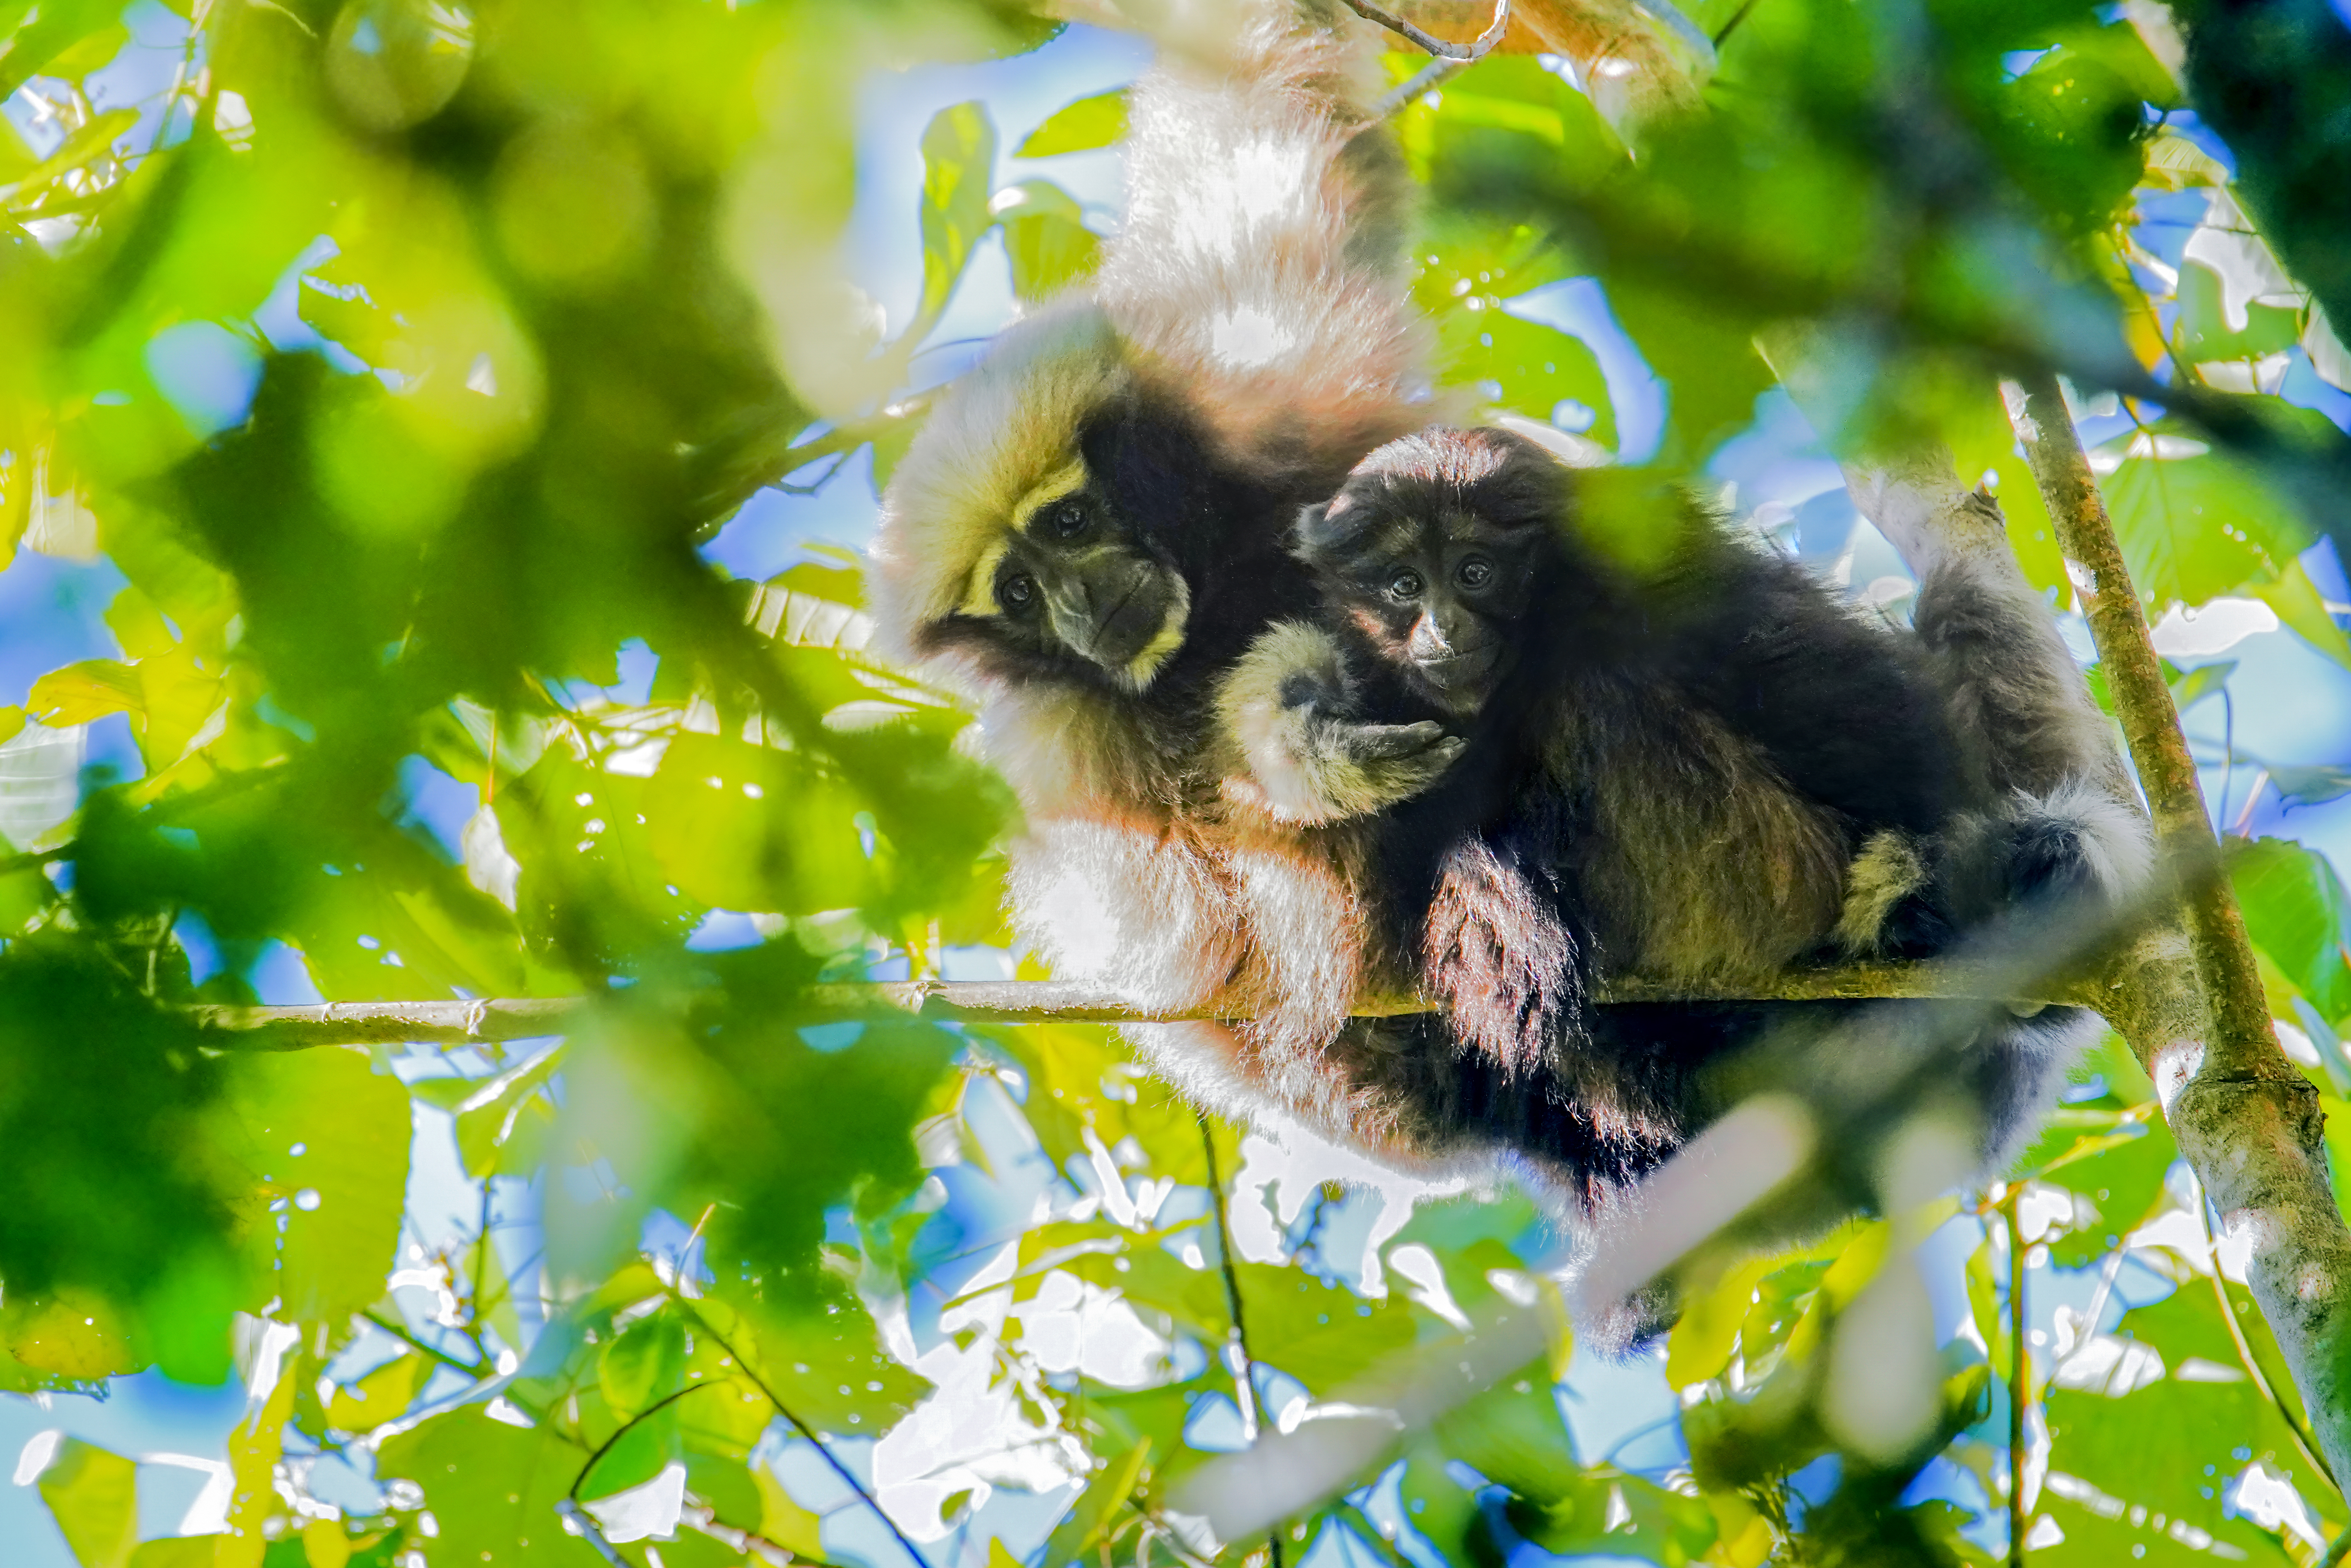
1070,588
1433,549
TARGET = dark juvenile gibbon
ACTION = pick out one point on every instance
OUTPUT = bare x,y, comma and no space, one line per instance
1702,771
1093,526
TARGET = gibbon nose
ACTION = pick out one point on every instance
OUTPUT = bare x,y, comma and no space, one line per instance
1106,610
1428,642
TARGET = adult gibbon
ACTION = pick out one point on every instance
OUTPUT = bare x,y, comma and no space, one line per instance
1093,526
1699,768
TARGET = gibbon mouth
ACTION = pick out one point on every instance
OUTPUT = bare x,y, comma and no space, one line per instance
1134,612
1467,667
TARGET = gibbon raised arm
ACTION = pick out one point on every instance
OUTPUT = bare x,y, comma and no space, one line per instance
1090,528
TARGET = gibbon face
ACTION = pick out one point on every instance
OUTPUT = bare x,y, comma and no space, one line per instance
1071,586
1433,548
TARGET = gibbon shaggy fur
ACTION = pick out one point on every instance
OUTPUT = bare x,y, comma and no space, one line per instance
1702,770
1091,528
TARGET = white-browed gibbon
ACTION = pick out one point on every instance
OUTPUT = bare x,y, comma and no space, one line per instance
1702,770
1091,528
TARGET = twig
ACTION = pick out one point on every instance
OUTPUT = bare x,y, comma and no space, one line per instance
581,1520
1245,1382
848,1477
1474,49
2019,1379
399,1332
1723,34
1419,85
1056,1002
625,1428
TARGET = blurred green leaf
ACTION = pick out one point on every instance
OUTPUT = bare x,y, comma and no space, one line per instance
2294,909
92,1495
1078,127
1529,367
381,1396
1045,236
2195,525
958,170
489,1484
749,826
2203,681
328,1137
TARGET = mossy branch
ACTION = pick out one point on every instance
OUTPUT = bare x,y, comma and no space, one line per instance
2194,1011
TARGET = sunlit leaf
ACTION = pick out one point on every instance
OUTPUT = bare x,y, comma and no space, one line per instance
1078,127
958,163
91,1495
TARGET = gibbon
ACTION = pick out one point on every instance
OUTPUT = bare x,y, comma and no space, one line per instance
1091,528
1701,769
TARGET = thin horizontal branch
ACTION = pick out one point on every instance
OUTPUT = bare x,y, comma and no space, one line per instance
1038,1001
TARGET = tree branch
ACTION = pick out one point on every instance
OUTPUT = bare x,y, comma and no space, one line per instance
1475,48
1058,1001
2195,1014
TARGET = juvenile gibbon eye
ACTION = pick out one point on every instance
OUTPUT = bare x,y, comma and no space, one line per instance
1068,519
1474,572
1017,592
1406,584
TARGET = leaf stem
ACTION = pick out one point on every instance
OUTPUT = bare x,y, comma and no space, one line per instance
625,1428
2020,1377
581,1520
1245,1382
847,1476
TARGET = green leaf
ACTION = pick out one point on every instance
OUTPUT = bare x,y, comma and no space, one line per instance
1045,238
56,29
2200,682
1526,367
502,1125
752,828
1317,1331
1079,127
2312,786
79,692
92,1495
381,1396
2299,605
2200,333
2196,525
1512,1434
644,1363
823,1358
2294,909
328,1133
958,168
491,1486
1098,1508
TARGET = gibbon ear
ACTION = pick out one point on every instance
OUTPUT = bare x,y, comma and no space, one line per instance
1314,523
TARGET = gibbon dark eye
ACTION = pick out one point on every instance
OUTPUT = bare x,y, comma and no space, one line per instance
1017,592
1405,585
1069,519
1474,573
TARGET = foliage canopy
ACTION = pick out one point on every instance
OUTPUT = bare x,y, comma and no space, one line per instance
388,370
